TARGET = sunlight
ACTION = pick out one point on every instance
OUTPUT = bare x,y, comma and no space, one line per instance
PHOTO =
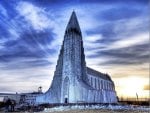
132,86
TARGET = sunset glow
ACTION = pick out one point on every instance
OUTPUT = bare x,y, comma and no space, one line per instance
132,86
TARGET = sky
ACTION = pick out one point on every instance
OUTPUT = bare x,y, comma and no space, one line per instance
115,35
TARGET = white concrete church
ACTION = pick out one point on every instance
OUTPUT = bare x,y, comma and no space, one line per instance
73,82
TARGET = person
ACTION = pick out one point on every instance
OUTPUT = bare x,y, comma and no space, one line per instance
13,105
7,105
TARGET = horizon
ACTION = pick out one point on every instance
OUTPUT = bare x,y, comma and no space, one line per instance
115,39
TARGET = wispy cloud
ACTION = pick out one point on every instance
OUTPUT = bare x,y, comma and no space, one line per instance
129,41
3,10
36,16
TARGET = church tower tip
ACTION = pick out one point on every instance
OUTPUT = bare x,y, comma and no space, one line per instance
73,23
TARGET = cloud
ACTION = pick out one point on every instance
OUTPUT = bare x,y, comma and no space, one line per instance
122,42
136,54
36,16
25,64
19,41
3,11
24,80
29,45
93,38
112,31
129,41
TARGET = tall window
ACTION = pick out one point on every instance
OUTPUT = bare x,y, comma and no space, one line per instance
102,84
98,84
91,82
95,84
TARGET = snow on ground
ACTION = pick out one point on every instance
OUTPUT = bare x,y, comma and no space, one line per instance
100,107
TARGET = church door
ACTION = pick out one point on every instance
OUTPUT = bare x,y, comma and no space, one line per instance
66,90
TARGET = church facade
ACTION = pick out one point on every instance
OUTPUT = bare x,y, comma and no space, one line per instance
73,82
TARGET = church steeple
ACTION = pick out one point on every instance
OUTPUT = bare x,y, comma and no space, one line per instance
74,58
73,24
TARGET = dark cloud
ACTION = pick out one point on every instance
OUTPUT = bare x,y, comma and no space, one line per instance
106,30
132,55
26,64
30,44
38,62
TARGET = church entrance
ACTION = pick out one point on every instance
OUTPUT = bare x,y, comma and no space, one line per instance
66,90
66,100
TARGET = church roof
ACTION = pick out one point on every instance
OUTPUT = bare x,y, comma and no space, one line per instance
73,23
98,74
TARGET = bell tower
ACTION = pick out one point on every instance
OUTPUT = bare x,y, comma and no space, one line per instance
74,66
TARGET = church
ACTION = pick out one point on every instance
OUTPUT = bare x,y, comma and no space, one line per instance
73,81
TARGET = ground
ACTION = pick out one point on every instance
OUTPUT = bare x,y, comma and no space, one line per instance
97,111
89,111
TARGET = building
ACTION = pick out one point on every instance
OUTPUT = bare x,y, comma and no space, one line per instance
73,82
21,98
29,98
12,96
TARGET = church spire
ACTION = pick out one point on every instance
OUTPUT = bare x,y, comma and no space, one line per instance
73,24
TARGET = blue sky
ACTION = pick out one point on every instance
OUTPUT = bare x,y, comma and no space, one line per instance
115,34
